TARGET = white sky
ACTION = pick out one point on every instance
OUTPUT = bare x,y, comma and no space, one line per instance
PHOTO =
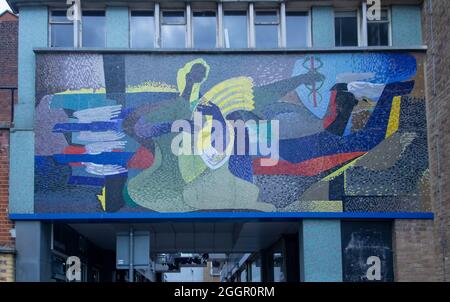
3,6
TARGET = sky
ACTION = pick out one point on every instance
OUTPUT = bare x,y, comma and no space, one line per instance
3,6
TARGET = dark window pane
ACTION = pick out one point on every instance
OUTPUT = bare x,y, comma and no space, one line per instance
173,17
59,16
235,29
266,17
378,30
378,34
93,29
337,31
266,36
204,30
297,29
94,13
384,34
142,13
62,35
346,29
142,28
349,32
372,34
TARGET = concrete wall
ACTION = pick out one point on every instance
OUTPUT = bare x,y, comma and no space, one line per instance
321,250
33,261
117,27
322,26
33,27
406,25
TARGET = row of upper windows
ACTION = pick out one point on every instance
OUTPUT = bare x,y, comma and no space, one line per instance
186,28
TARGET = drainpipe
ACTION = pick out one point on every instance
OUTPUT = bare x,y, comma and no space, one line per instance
131,269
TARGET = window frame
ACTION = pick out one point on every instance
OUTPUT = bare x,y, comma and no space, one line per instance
308,25
50,23
185,11
247,19
278,11
81,31
192,31
357,10
251,9
389,21
141,9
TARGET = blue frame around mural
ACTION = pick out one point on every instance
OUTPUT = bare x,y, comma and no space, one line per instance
221,216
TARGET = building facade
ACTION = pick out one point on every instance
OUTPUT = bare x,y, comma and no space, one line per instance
290,136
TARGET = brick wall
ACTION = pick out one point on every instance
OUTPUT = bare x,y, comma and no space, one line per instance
8,62
414,260
436,32
5,224
8,77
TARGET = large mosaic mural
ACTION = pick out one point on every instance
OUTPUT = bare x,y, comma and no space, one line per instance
321,133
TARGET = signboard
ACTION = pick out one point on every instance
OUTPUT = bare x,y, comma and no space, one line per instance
256,132
141,250
367,251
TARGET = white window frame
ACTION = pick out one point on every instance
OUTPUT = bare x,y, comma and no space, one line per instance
251,25
358,26
220,30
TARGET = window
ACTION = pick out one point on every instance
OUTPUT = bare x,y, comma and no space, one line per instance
278,267
93,33
142,29
235,29
243,276
296,29
61,29
266,28
378,30
173,29
256,270
204,29
346,28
